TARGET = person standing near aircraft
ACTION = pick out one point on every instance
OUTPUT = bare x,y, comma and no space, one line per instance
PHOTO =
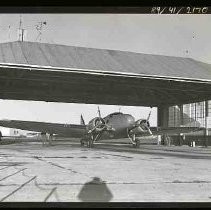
48,138
43,138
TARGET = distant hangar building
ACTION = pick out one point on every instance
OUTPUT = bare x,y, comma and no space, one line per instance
179,87
12,132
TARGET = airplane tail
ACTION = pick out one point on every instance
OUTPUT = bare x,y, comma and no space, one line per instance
82,120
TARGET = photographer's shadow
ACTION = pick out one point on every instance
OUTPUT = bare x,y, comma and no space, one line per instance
95,191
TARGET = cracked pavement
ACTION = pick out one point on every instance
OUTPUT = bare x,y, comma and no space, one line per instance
30,172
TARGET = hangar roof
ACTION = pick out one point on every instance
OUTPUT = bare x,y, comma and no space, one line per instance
43,54
51,72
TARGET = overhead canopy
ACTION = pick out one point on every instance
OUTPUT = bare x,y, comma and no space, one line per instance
49,72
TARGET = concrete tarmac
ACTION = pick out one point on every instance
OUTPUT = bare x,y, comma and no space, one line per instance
66,172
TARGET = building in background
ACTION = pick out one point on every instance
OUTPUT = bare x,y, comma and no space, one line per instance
192,115
13,132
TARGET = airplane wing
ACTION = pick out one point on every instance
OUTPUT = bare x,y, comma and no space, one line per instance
70,130
173,130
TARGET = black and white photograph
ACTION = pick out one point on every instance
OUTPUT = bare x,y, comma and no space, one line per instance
106,107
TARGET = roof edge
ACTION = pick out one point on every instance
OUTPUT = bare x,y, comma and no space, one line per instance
100,72
94,48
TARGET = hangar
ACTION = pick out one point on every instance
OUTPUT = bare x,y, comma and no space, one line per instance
59,73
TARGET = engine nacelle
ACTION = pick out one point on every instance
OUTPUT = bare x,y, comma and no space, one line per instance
97,124
140,126
143,123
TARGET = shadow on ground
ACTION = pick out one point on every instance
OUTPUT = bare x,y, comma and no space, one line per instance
95,191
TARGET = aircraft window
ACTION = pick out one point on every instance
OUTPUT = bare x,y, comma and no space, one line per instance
115,113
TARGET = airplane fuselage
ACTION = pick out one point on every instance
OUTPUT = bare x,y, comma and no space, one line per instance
120,122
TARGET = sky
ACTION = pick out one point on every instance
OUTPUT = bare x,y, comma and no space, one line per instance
174,35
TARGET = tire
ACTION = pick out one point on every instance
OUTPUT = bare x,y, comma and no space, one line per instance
137,143
89,144
82,143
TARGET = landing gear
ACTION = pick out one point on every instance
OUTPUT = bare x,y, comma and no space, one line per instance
134,140
82,142
88,140
90,143
136,144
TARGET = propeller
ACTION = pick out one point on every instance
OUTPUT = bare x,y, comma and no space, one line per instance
149,115
145,123
99,113
142,126
82,120
147,126
96,127
100,124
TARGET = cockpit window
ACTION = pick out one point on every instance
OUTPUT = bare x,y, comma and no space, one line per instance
115,113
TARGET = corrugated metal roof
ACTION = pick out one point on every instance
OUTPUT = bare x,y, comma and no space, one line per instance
43,54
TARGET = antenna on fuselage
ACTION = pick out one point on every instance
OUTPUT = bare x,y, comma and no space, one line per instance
99,114
21,30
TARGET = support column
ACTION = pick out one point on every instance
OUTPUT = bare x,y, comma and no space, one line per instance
163,120
181,114
181,136
206,124
163,116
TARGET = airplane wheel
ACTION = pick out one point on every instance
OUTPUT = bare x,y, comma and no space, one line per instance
82,143
89,144
137,144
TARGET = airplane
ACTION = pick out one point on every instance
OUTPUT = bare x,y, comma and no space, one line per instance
114,126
